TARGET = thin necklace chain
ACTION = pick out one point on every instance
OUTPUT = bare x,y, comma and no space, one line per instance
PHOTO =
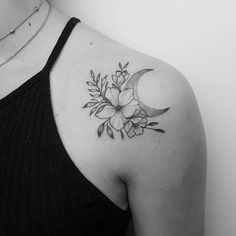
29,40
13,30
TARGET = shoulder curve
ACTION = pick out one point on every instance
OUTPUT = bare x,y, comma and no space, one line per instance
159,86
85,35
104,51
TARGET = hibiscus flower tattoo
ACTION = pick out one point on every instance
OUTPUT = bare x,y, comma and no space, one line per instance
116,101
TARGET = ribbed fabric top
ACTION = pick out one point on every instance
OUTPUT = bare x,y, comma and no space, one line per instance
42,192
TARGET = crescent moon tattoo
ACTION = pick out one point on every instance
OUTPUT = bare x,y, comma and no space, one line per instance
133,83
115,100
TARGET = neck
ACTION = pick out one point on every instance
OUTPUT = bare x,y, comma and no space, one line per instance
14,11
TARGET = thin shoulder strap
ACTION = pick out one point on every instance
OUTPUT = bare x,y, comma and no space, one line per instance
61,42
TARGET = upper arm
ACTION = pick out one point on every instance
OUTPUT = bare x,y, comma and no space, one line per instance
166,177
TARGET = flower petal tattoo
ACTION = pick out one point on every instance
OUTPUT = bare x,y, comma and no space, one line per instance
115,100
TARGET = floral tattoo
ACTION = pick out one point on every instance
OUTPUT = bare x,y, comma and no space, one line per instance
115,100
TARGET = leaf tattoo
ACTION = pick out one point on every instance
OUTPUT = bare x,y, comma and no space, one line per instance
116,101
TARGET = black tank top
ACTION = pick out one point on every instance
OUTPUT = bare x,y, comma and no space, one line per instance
41,190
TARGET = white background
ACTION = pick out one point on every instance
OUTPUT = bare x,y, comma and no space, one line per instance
199,39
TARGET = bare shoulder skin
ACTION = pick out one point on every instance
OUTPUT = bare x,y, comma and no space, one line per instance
131,125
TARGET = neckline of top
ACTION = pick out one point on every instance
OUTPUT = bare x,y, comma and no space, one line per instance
45,71
22,88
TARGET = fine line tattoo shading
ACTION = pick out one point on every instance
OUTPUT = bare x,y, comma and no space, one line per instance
115,100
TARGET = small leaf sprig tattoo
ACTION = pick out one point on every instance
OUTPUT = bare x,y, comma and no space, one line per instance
115,100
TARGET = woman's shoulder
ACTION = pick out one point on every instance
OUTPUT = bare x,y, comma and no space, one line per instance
105,74
132,116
